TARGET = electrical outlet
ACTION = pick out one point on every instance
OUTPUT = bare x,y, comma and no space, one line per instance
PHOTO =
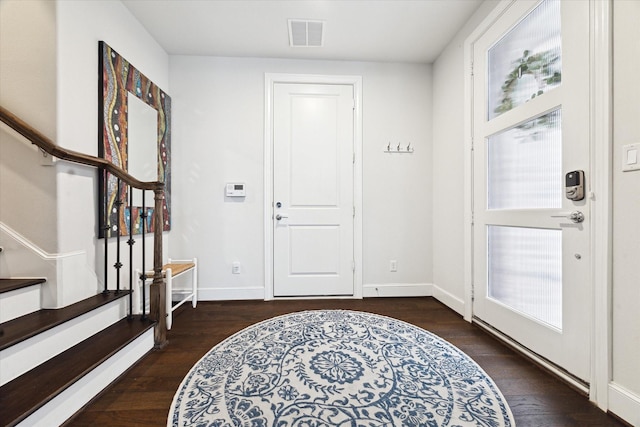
393,265
235,267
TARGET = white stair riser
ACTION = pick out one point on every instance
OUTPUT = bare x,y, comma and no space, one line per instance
24,356
71,400
17,303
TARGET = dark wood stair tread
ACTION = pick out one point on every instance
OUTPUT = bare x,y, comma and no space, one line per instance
29,325
24,395
8,285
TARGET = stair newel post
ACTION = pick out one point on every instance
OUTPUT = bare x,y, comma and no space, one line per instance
158,291
106,231
143,277
130,242
118,264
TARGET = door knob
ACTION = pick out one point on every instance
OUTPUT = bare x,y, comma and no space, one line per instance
575,216
279,217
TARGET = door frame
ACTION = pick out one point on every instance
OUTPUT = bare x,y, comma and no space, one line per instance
600,183
270,79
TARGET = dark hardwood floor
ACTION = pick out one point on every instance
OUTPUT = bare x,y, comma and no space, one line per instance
143,395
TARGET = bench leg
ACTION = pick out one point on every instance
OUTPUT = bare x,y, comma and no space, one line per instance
169,299
194,282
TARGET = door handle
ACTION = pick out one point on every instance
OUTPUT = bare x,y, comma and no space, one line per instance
279,217
575,216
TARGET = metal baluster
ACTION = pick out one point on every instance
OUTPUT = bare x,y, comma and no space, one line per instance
118,264
130,242
143,278
106,230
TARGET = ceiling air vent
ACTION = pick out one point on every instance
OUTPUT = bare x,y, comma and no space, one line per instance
306,33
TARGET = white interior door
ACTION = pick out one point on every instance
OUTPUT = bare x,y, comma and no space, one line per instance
313,212
531,261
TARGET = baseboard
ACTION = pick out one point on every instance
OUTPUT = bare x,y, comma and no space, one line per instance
370,290
448,299
230,294
397,290
71,400
624,404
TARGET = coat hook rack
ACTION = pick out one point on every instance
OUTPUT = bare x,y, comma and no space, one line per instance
398,149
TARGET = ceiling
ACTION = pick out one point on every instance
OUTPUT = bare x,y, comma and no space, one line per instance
356,30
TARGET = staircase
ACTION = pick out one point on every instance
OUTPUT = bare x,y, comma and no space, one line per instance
54,361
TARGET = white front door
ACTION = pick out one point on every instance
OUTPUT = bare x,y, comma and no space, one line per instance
531,259
313,181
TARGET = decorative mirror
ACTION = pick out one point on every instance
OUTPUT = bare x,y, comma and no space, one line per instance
134,134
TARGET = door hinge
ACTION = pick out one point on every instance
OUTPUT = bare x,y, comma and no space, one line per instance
354,157
353,104
471,68
353,266
473,294
354,211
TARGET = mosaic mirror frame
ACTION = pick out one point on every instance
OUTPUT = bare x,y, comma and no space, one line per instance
117,79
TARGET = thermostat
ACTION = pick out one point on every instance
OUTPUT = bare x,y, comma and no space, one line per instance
235,189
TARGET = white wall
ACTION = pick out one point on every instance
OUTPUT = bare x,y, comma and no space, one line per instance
448,166
448,241
218,137
626,202
28,89
55,88
80,26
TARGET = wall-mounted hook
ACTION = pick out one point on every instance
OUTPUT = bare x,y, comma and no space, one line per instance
399,149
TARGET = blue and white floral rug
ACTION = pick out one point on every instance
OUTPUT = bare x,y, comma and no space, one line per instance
337,368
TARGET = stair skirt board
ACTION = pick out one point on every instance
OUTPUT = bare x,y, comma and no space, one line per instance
19,302
22,357
74,398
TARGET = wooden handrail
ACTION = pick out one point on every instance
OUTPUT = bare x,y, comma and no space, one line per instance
157,297
55,150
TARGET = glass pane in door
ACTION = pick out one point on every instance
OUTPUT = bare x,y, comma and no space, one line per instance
525,271
524,165
527,61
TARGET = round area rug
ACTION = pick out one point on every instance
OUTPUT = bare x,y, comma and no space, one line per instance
337,368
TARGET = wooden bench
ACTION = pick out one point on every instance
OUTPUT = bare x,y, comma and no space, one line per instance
171,271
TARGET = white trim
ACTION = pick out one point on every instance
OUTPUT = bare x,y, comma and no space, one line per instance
269,80
468,182
468,152
601,142
19,302
35,248
533,356
601,186
72,399
397,290
27,354
448,299
231,293
22,256
624,404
